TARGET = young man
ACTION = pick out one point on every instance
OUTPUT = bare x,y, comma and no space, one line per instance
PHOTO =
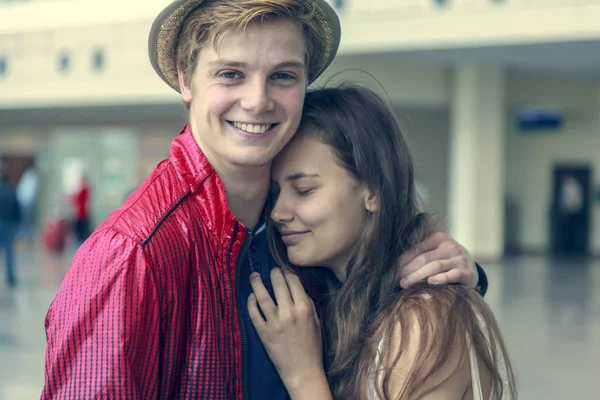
10,216
154,305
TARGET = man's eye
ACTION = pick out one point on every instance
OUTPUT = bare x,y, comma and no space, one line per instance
283,76
230,75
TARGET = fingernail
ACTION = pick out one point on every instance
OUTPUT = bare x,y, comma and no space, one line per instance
254,275
251,297
404,283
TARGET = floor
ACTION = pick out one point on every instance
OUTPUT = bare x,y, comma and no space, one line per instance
549,311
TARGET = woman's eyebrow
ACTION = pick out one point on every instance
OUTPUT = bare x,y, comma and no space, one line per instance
300,175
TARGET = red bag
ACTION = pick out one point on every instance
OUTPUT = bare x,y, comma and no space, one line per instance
55,234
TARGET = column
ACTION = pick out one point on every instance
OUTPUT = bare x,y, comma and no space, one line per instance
476,181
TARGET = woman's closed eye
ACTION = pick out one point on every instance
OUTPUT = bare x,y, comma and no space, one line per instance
304,191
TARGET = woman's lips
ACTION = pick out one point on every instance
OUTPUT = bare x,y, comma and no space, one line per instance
292,238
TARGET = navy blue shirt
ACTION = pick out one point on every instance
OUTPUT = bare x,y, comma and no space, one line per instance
264,381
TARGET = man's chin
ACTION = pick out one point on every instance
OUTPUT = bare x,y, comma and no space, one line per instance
252,161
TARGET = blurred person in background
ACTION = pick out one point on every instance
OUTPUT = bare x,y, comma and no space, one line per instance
81,208
27,191
572,216
10,216
154,304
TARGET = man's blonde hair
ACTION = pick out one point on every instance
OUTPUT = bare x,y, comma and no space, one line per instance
209,23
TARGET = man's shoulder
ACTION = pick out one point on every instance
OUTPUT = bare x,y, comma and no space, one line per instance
147,206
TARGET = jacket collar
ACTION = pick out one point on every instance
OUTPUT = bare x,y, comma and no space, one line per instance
203,182
189,161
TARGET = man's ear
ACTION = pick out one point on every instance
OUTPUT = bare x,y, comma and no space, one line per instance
186,91
371,201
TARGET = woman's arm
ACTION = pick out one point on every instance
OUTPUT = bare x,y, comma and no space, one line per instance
310,389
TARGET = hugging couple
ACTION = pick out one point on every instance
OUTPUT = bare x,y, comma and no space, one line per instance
279,251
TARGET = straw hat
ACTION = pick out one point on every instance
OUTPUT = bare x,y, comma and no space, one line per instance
167,26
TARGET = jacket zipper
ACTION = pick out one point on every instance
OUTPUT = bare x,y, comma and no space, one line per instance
242,323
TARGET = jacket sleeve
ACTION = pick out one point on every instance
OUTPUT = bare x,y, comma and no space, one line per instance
482,284
102,329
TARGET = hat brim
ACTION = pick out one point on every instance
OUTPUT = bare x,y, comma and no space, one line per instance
166,28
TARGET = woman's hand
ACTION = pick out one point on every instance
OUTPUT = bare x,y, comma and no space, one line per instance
290,332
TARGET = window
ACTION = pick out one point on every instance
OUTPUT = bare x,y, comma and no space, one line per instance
3,66
98,60
64,62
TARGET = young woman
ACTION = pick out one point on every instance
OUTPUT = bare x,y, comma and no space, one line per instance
344,192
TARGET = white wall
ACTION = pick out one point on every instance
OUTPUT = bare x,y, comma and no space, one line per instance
406,82
428,138
33,78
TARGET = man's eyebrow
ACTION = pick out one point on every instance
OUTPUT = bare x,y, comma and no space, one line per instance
241,64
229,63
290,64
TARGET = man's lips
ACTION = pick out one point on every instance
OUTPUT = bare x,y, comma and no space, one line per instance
255,128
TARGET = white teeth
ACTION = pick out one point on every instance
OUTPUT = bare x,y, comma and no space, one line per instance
250,128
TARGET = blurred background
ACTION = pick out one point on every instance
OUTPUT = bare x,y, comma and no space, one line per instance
500,100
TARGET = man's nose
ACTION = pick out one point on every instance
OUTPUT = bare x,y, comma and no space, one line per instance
257,97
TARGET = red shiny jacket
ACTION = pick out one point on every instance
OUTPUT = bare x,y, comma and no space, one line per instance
148,308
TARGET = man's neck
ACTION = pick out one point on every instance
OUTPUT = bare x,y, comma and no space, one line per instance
247,190
247,187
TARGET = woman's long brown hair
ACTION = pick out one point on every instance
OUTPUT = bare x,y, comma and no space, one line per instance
362,314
